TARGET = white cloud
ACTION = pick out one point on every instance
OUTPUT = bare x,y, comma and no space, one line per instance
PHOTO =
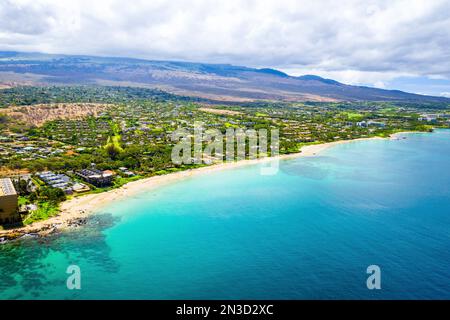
355,77
352,41
380,85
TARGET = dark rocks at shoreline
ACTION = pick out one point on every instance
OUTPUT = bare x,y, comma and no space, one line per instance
41,233
77,223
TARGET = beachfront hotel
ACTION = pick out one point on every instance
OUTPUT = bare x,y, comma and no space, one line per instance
8,202
96,177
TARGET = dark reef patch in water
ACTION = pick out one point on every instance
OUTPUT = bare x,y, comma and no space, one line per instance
28,255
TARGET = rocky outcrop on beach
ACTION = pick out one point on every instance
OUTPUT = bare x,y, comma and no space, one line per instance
41,230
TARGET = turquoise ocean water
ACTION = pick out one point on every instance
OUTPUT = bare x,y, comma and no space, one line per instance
308,232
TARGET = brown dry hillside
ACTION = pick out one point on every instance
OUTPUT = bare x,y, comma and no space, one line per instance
38,114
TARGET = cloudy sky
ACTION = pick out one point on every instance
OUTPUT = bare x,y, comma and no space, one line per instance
400,44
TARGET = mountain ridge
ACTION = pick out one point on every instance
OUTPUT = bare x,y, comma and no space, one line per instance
222,82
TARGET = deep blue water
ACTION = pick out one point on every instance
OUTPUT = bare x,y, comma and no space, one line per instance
308,232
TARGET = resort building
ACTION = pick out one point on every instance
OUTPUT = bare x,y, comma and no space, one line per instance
96,177
8,202
365,124
429,118
60,181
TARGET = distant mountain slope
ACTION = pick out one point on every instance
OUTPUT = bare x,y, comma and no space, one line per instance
213,81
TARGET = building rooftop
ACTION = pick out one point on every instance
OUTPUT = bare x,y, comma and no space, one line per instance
7,187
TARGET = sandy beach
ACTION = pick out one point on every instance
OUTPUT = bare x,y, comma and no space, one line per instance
74,211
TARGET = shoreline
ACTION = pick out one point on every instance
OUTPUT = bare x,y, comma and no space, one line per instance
74,212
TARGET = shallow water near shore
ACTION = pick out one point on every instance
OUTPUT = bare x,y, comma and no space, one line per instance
308,232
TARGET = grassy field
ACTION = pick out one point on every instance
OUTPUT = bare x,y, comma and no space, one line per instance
45,210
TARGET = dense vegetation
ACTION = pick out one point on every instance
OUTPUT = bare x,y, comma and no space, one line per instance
68,94
135,131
